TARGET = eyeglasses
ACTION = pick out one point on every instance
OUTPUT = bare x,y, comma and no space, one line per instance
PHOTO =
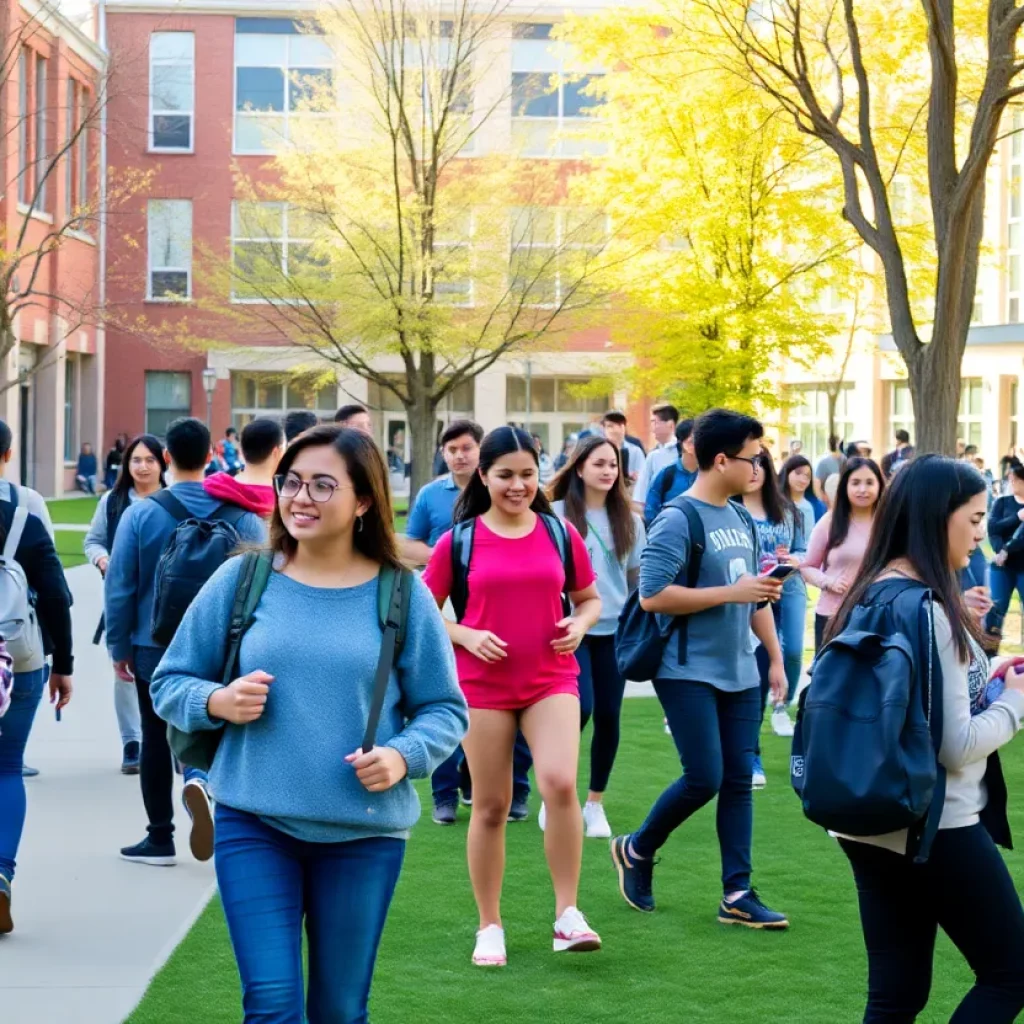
754,463
319,489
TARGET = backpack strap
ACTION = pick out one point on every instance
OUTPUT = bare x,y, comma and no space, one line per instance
230,514
559,534
12,490
14,533
394,588
170,504
668,478
698,541
462,552
252,582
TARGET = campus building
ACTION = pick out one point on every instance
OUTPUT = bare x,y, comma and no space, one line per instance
52,376
197,86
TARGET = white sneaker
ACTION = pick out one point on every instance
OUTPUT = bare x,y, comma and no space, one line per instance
574,935
668,728
596,821
490,947
782,724
542,818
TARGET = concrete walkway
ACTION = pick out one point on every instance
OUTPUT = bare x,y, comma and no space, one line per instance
91,929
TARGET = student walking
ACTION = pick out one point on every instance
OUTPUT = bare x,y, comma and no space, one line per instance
432,516
311,828
780,539
112,462
591,494
664,419
142,475
47,632
930,520
839,540
131,583
1006,534
509,566
252,488
708,679
675,479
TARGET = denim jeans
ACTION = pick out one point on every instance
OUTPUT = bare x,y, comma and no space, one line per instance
601,689
270,885
1004,582
126,707
15,727
453,774
791,623
714,732
965,889
156,767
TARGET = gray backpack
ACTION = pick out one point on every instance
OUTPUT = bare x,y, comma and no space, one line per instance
19,625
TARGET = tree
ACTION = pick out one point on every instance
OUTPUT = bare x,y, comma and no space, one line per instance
410,249
722,196
861,81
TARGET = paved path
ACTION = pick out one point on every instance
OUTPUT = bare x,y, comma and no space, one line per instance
91,929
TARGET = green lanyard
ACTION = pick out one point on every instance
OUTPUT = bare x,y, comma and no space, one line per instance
613,562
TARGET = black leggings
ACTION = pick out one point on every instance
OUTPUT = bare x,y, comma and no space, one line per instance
964,889
156,768
601,691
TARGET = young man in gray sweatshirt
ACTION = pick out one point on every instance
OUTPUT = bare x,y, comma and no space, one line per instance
710,689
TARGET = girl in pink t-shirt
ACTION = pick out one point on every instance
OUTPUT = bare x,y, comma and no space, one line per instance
515,647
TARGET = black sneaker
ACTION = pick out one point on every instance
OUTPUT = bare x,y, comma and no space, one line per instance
634,875
749,911
445,814
130,758
158,855
520,809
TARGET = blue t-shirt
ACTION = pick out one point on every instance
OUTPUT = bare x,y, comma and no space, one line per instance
819,507
433,510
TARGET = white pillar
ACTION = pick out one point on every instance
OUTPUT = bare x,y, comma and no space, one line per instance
489,399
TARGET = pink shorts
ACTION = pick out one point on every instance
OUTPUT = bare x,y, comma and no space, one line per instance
487,697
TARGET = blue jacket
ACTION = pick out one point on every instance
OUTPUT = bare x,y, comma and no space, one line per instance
658,494
141,538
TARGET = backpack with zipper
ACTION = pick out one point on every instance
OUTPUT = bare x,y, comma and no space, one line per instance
394,590
19,623
197,548
462,554
865,751
641,639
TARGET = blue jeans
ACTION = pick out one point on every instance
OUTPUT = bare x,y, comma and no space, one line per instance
270,885
453,774
1003,583
601,689
15,727
714,732
791,622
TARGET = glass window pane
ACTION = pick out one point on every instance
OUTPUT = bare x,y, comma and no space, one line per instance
269,393
576,103
260,50
166,284
309,50
533,95
258,133
258,220
515,394
178,46
259,89
170,233
243,390
172,132
169,390
172,87
535,55
327,398
542,394
309,88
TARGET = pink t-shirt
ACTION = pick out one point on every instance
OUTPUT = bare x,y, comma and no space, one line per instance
515,587
843,562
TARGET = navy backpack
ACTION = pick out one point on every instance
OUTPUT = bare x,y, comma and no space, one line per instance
865,750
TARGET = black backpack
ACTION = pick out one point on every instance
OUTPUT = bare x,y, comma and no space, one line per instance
195,551
640,639
462,553
865,752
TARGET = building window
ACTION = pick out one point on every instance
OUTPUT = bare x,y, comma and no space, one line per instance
75,153
82,145
172,72
549,104
901,409
279,73
270,243
550,250
808,417
1014,413
1015,220
276,394
169,230
70,407
968,423
554,410
41,155
453,278
168,396
24,182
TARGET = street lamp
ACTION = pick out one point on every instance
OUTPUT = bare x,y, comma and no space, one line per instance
209,386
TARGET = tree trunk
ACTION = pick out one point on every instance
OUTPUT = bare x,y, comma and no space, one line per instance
422,418
833,401
934,377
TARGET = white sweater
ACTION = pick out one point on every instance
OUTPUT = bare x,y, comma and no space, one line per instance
967,740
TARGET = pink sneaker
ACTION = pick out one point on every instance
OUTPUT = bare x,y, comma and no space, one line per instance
574,935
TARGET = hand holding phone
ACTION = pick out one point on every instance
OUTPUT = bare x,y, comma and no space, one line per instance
779,572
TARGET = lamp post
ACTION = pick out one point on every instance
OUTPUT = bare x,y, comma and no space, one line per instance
209,386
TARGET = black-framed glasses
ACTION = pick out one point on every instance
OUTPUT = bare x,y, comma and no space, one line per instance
319,489
755,462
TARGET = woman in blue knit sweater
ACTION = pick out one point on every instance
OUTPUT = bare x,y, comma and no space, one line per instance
310,830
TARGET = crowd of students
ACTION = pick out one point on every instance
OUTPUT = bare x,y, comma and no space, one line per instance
298,757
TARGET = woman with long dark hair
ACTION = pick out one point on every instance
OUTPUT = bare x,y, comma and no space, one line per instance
838,542
311,828
928,522
590,493
512,568
779,534
141,474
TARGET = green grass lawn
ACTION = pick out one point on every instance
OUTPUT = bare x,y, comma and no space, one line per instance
677,964
72,510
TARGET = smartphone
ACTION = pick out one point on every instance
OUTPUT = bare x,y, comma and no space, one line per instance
780,572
